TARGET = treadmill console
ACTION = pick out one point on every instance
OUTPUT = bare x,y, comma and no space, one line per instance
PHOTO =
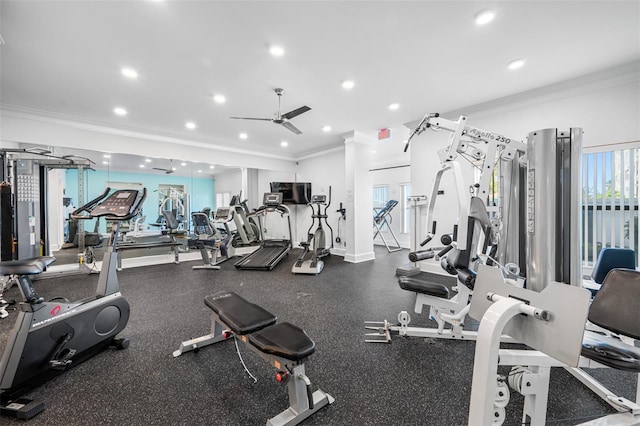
223,214
318,199
272,199
116,205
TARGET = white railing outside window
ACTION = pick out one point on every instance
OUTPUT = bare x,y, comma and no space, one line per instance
380,196
609,201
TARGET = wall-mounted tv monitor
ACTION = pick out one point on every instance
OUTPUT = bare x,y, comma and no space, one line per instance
293,192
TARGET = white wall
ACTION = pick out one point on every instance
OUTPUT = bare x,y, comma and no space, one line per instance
605,105
230,181
324,171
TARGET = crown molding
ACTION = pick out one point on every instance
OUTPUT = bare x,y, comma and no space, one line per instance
49,117
610,77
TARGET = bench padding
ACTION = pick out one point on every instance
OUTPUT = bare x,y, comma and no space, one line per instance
610,352
616,306
240,315
284,340
424,287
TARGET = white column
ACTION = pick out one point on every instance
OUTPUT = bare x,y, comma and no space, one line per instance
359,198
250,187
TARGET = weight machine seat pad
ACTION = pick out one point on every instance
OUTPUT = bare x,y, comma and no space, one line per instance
419,286
610,351
237,313
616,306
33,266
284,340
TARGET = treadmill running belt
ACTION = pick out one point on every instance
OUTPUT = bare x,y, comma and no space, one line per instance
265,258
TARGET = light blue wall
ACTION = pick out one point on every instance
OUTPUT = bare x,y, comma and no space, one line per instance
201,190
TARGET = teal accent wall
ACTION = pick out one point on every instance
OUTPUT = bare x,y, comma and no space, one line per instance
201,191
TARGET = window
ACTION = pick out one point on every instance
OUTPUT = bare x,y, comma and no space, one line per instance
406,208
380,196
223,199
609,201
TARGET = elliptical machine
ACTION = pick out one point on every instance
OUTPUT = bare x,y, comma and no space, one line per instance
50,337
317,238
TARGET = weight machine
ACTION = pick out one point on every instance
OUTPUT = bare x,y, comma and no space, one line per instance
476,232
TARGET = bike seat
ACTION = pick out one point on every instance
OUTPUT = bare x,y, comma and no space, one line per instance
33,266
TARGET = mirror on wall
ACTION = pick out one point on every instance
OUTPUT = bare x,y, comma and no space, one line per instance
171,183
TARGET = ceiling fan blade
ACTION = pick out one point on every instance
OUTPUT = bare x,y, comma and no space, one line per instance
291,127
289,115
252,118
167,171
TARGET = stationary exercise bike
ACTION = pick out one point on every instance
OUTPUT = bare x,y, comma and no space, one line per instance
317,238
51,336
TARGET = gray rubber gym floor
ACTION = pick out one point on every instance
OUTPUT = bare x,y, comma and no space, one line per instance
408,382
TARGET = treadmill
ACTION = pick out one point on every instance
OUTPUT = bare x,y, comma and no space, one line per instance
271,251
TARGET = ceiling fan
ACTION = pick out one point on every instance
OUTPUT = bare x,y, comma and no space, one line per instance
168,171
282,119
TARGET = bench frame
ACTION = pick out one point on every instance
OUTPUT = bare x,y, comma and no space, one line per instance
302,403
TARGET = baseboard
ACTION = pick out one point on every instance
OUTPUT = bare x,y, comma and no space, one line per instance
357,258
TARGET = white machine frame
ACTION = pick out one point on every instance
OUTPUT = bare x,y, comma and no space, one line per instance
556,340
464,141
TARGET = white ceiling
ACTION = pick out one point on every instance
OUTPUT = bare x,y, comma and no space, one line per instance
65,57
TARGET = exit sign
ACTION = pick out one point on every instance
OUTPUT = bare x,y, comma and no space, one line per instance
384,134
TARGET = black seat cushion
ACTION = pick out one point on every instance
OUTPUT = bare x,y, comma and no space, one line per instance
610,352
237,313
284,340
33,266
424,287
616,306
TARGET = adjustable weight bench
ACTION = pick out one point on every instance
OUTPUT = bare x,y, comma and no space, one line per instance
282,345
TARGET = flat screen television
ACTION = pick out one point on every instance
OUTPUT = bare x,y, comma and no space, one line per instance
293,192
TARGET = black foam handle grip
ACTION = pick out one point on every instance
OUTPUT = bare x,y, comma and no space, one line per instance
467,277
444,250
417,256
426,240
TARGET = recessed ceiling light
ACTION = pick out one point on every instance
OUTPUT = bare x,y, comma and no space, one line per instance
243,136
219,99
515,64
485,17
373,152
173,168
183,164
129,73
106,156
141,166
284,143
326,128
120,111
348,84
147,160
105,162
276,50
212,167
393,106
199,171
190,125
